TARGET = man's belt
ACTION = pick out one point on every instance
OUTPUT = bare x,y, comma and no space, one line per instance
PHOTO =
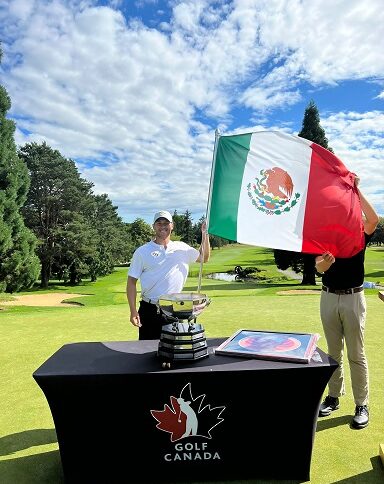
351,290
149,301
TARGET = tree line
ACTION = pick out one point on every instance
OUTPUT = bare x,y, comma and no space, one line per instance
55,227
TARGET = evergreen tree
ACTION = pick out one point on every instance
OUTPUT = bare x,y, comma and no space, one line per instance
75,247
197,231
305,263
57,204
177,224
378,235
19,265
311,128
187,234
214,240
114,243
140,232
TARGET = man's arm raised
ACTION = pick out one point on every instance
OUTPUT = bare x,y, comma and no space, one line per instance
205,247
371,219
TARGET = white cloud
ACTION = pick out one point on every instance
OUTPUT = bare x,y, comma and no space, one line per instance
98,86
358,140
328,40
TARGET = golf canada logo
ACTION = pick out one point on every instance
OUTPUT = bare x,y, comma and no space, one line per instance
187,417
272,192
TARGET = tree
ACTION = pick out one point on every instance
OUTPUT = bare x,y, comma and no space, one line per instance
114,242
311,128
187,234
305,263
76,244
19,265
214,240
140,232
177,223
178,226
298,262
378,236
58,198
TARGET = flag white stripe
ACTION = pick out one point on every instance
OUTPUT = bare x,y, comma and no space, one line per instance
269,150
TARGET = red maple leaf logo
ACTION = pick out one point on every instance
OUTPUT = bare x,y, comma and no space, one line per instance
187,416
171,420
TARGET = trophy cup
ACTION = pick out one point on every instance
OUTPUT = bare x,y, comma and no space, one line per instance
182,339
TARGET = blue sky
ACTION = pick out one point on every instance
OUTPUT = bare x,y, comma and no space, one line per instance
134,90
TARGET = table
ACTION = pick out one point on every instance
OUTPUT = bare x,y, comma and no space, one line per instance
121,418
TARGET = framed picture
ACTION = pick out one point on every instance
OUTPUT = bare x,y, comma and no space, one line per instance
270,345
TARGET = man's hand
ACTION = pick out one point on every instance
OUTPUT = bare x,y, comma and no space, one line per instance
135,319
204,228
327,257
324,261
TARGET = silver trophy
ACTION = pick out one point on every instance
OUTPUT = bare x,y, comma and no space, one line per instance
182,339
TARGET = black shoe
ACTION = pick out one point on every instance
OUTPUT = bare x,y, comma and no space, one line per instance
329,405
361,418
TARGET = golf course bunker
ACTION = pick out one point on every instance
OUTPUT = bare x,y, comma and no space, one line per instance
53,299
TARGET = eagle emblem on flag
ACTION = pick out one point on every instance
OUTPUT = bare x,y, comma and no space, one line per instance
272,192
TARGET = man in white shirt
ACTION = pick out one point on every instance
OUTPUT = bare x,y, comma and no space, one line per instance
162,266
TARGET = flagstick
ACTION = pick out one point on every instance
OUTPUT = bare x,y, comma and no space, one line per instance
217,135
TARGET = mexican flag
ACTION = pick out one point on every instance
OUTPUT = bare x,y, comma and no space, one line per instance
272,189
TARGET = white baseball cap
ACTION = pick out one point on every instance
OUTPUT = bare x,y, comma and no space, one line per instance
162,214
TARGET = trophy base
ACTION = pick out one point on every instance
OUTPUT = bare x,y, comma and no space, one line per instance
182,342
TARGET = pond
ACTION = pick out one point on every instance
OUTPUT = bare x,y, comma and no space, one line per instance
222,276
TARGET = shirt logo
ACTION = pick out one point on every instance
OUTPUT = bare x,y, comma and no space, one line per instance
155,253
272,193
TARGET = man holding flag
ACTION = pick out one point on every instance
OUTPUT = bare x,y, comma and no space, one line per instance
343,312
276,190
272,189
162,267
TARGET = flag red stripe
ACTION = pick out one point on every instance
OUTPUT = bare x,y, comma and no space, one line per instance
332,219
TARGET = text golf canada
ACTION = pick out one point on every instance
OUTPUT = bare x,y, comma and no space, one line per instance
191,451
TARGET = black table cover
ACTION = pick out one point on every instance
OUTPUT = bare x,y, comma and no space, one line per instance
121,418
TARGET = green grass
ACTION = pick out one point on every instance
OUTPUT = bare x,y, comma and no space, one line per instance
29,335
374,265
225,259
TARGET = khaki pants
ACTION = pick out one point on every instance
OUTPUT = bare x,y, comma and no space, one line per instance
343,318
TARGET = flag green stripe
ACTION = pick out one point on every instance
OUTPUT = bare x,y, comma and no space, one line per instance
231,157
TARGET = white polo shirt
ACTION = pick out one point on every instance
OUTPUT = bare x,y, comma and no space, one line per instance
162,271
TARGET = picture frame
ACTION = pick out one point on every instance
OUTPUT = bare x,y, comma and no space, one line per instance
270,345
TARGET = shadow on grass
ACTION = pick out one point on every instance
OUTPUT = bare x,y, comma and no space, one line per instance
236,286
324,424
55,285
377,274
44,468
24,440
374,476
229,481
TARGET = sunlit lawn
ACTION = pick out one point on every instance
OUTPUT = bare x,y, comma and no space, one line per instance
29,335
